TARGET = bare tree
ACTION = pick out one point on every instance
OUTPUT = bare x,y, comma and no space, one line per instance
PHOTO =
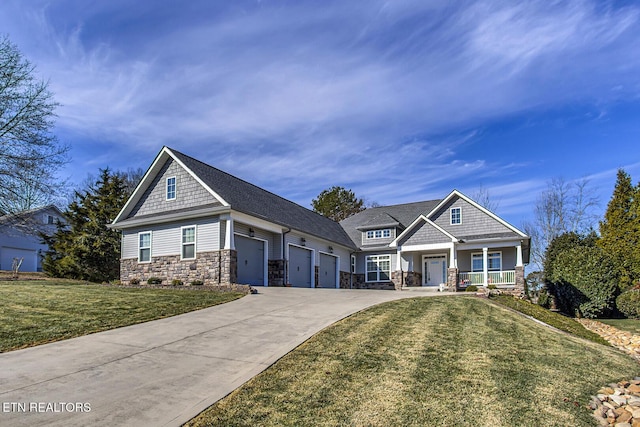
482,197
562,207
30,155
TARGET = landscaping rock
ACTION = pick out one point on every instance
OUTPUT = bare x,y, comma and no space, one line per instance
618,404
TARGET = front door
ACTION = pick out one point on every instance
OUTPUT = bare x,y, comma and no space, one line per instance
435,270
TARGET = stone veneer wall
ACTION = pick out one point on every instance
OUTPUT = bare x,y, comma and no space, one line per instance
276,272
215,267
452,279
520,278
345,280
360,283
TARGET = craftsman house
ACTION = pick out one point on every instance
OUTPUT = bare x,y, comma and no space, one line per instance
189,221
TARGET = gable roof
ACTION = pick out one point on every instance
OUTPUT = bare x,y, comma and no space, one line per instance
380,217
247,198
456,193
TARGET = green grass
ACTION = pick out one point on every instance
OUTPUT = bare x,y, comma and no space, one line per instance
37,312
556,320
629,325
437,361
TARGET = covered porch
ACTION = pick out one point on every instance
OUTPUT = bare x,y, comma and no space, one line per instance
456,265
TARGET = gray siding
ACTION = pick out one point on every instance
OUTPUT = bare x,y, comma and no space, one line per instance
189,193
377,242
425,234
508,258
474,221
166,239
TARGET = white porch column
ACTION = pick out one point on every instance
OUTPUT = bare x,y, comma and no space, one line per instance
453,256
519,256
485,266
229,242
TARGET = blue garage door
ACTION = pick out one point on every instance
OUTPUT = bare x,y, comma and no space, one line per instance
327,271
250,261
300,267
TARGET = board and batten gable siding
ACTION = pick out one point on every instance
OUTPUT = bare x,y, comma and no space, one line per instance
319,245
273,240
166,239
474,221
189,193
424,233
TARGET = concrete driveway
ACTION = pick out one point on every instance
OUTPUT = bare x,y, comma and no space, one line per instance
163,373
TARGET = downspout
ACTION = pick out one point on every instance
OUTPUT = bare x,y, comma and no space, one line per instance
285,279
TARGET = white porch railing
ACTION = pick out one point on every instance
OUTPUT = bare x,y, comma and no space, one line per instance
494,277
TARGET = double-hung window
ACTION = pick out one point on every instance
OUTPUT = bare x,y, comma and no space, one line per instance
171,188
353,263
378,268
188,242
144,247
494,261
456,216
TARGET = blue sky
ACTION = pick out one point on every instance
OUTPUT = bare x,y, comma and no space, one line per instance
400,101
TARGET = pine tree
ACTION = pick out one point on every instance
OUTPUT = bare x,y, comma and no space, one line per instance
620,230
85,248
337,203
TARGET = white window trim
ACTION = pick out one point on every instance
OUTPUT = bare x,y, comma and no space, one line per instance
481,257
382,236
150,233
451,216
195,241
366,271
353,264
175,188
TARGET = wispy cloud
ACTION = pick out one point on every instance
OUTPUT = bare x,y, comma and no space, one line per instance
298,96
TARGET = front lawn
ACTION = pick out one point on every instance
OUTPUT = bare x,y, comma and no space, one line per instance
557,320
629,325
438,361
37,312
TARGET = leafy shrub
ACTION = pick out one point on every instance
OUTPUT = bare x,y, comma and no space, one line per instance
134,281
629,303
471,288
154,280
585,282
492,286
197,282
543,298
176,282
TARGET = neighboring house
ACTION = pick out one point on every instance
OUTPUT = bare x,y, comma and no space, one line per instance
189,221
20,237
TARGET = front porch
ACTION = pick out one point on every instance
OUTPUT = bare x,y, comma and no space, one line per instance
459,266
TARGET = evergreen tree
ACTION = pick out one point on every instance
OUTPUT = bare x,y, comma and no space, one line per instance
85,248
337,203
620,230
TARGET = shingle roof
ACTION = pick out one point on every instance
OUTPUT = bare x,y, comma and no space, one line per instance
404,214
253,200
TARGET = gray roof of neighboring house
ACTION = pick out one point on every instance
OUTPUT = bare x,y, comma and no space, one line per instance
253,200
382,216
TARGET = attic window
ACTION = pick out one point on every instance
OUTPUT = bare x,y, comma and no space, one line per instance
379,234
171,188
50,219
456,216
